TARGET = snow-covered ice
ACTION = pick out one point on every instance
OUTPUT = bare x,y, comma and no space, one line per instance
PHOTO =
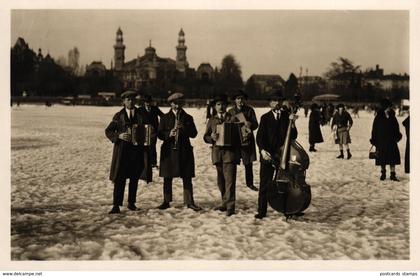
61,196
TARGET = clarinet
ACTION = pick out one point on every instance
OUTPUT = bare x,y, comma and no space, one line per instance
175,147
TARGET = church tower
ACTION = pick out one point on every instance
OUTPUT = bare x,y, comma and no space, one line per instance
181,53
119,49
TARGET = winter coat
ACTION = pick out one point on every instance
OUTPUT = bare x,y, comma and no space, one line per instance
177,162
221,154
248,153
315,135
151,118
385,136
406,124
272,133
127,159
341,120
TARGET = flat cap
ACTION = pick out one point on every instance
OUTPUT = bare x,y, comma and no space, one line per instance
175,96
128,93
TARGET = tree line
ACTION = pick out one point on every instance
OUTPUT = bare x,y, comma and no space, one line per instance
43,76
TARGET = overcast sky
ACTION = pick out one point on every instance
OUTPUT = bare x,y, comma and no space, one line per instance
263,42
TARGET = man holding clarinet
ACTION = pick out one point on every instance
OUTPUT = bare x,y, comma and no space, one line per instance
177,157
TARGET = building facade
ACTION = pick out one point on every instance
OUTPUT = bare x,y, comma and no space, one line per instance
376,78
150,69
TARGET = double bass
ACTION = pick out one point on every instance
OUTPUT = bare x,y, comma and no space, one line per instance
288,192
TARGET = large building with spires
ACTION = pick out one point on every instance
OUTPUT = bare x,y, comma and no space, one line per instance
150,69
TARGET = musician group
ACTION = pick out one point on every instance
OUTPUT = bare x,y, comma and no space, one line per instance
134,131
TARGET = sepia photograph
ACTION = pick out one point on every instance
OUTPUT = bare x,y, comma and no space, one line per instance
210,135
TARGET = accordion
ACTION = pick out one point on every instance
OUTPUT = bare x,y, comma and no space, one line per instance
141,135
147,135
134,131
244,131
228,134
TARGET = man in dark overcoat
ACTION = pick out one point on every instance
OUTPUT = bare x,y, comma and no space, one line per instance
270,138
225,158
127,157
150,114
315,134
248,151
176,156
385,136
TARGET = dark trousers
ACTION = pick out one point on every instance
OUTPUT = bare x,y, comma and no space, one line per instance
188,190
119,187
249,175
153,153
266,175
226,180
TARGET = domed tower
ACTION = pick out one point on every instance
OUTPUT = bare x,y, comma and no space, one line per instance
119,49
181,53
150,52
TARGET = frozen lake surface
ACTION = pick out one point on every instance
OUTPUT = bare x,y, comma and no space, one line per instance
61,196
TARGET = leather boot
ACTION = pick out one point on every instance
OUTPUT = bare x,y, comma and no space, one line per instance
393,177
341,154
383,175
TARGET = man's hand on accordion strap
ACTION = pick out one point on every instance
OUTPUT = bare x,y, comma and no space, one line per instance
293,117
172,133
266,155
125,137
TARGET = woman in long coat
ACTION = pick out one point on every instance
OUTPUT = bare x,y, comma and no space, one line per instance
406,124
315,135
385,136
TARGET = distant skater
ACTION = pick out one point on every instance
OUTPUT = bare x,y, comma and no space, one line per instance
341,124
315,134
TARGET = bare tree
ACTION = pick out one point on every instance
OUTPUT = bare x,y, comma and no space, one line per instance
61,60
229,78
343,65
74,60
